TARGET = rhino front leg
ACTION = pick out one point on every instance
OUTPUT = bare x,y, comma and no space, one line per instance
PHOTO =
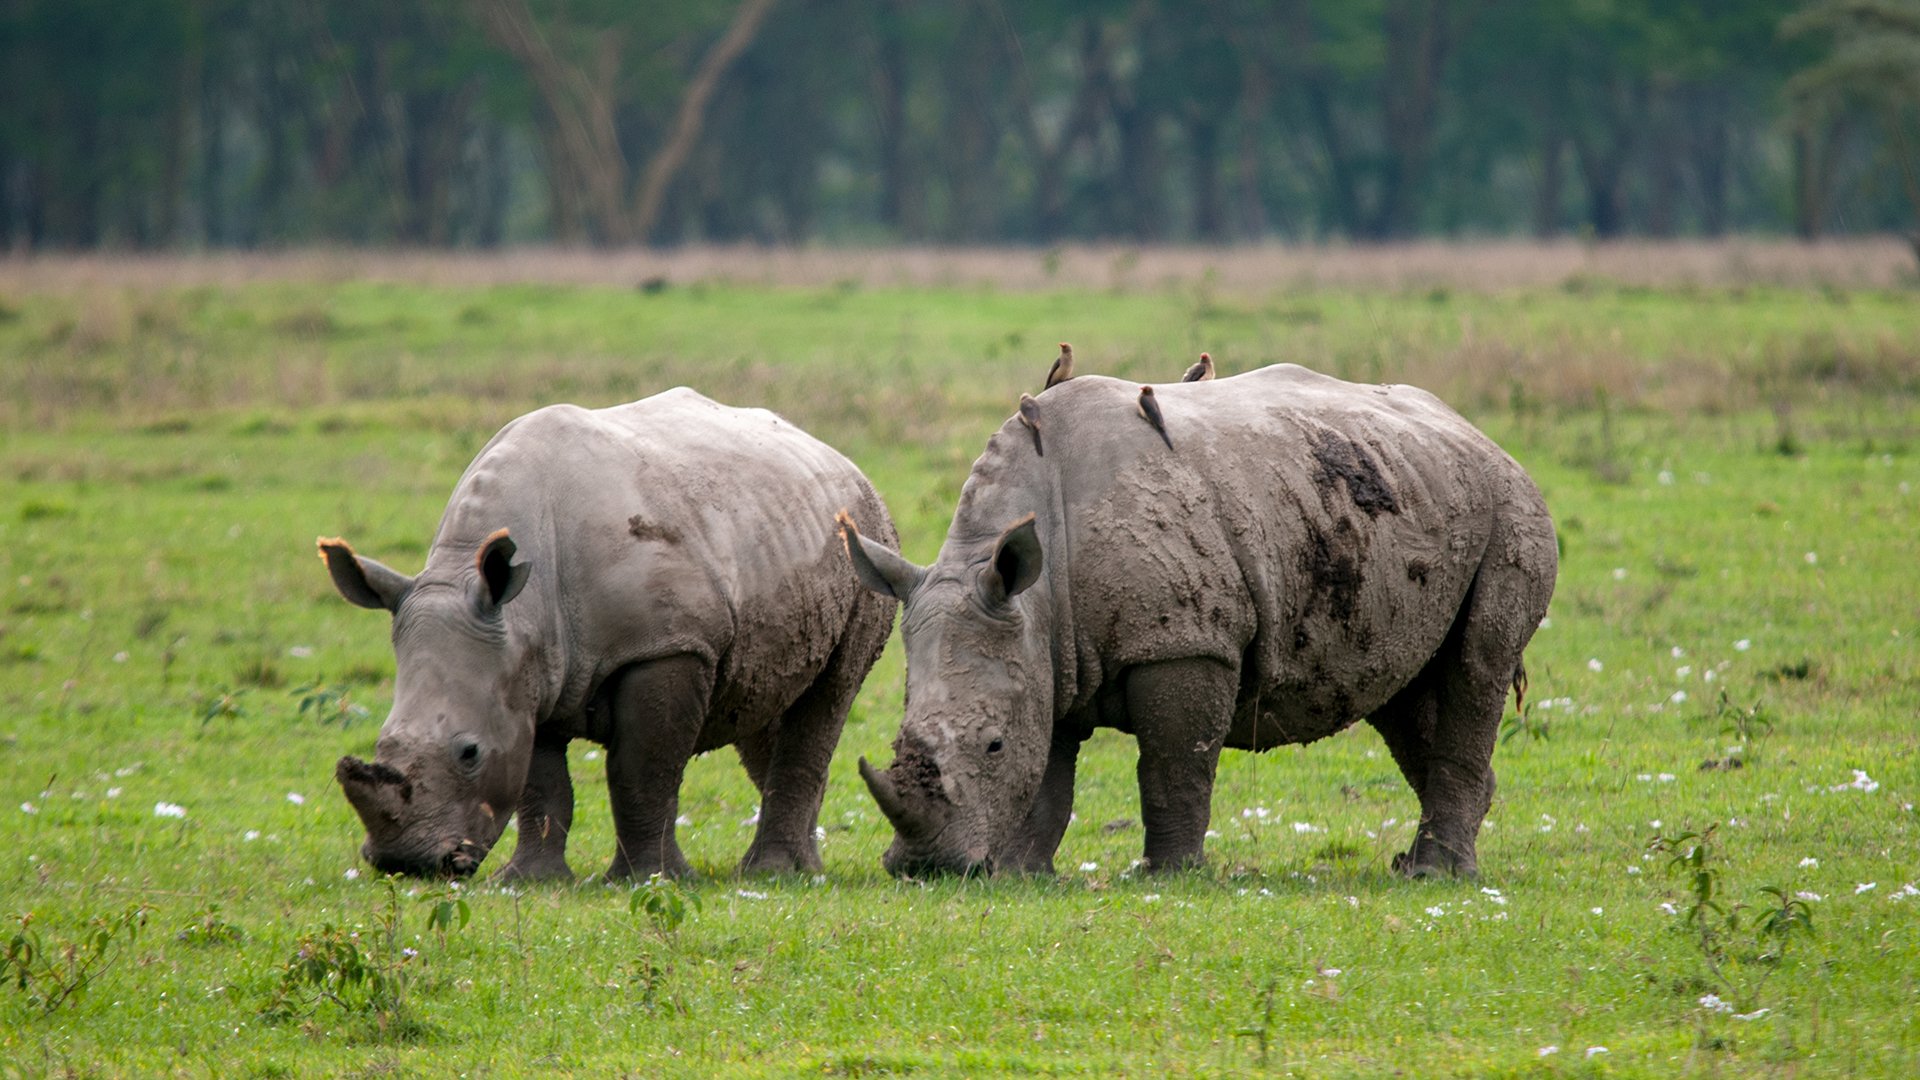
544,818
1180,711
1032,847
658,710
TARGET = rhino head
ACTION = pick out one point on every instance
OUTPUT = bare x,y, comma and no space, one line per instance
453,754
979,710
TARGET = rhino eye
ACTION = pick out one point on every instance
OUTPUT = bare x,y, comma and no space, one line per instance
995,746
468,751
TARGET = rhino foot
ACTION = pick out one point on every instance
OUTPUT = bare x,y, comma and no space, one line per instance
774,860
533,871
1430,857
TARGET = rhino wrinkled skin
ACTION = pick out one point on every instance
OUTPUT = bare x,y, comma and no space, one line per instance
660,577
1310,552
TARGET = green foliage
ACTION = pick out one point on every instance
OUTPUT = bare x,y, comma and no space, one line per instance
1740,945
366,975
51,973
329,704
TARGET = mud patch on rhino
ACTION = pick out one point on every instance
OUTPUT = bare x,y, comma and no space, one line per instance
916,773
1332,568
1341,461
645,530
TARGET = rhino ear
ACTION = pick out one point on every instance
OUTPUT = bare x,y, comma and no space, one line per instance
362,581
1016,559
500,576
879,569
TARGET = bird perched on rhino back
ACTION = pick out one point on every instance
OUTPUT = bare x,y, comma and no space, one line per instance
1062,369
1200,372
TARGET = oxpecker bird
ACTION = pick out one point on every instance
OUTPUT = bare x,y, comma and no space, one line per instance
1200,372
1062,368
1150,409
1030,416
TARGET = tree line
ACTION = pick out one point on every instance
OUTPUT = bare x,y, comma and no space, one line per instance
240,123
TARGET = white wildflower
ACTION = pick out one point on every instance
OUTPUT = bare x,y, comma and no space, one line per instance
167,809
251,835
1599,911
1596,1050
1860,782
683,821
1742,645
1810,861
352,873
301,652
1307,827
1678,697
1683,671
1669,909
1811,558
1594,664
296,798
591,755
1754,1015
1089,867
1619,573
749,894
121,657
1150,898
1548,1051
113,793
1667,777
1436,911
1676,652
1712,1003
1805,895
751,819
819,833
1865,886
1904,891
29,808
1213,834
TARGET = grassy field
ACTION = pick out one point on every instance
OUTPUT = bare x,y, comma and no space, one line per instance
1732,466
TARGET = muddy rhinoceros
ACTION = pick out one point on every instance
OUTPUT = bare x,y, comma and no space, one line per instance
661,578
1306,552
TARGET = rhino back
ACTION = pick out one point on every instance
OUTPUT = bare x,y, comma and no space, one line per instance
1319,534
669,525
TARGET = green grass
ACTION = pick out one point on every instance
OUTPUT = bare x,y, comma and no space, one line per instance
170,456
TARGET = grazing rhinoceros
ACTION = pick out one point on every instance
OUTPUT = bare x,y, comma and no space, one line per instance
1306,553
660,578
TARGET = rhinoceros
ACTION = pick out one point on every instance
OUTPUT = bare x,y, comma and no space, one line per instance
1306,552
661,578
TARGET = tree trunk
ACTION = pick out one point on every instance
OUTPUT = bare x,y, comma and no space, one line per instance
1547,197
1209,207
899,196
692,113
1418,43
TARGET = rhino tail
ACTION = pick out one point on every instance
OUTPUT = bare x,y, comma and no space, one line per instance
1520,688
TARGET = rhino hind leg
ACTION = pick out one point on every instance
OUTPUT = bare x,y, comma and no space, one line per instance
543,820
1180,711
1442,728
658,710
788,760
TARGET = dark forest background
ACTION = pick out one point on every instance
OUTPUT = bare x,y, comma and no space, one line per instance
240,123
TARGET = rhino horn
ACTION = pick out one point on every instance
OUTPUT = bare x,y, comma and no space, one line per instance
888,796
376,791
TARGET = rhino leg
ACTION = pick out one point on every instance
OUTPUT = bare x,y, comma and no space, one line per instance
544,818
658,710
1443,727
1031,849
787,761
1180,711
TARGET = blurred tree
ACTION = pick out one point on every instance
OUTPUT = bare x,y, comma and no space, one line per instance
1872,68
